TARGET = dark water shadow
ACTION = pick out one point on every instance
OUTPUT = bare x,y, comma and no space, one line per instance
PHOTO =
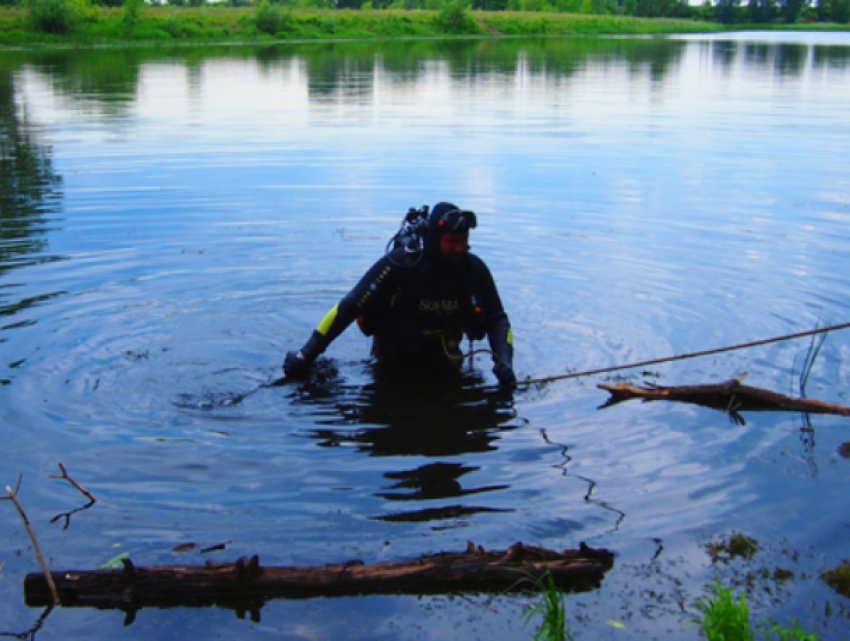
408,414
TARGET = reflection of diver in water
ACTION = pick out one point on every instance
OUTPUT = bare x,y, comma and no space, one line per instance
419,300
402,416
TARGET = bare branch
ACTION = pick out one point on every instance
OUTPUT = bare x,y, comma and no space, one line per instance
13,496
65,476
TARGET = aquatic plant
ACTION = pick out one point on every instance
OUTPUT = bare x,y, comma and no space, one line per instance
728,619
737,545
551,605
838,578
724,618
794,633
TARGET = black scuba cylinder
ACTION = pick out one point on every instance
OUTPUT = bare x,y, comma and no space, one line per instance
411,235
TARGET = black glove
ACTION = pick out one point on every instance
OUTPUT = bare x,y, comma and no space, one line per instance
297,364
505,374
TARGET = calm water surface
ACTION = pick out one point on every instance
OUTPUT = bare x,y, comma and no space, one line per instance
174,220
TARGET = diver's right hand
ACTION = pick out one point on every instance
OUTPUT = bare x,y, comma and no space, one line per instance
505,374
296,365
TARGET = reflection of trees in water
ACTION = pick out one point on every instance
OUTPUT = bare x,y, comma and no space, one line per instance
101,81
756,54
347,71
107,81
830,56
335,71
399,418
791,59
724,53
783,59
28,194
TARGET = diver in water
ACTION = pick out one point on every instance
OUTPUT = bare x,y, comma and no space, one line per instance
419,300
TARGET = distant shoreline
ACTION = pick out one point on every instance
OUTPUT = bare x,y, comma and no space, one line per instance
91,26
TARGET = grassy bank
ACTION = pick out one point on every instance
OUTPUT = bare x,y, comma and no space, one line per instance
82,24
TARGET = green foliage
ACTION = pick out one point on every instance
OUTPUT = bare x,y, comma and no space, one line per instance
454,17
834,10
791,9
725,619
173,27
132,11
273,19
761,10
705,11
553,627
55,16
838,578
796,633
395,25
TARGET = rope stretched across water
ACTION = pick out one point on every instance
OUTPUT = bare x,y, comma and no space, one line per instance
680,357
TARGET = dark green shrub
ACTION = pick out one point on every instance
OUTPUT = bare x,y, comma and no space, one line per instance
394,25
173,27
148,33
132,11
272,19
53,16
454,17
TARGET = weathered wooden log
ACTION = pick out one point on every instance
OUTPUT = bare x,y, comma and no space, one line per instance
245,585
729,396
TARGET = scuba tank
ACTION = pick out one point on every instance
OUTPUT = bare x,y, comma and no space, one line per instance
410,237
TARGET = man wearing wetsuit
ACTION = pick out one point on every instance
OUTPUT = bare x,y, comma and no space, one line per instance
418,305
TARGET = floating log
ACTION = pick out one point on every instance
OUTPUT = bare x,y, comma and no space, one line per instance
729,396
245,585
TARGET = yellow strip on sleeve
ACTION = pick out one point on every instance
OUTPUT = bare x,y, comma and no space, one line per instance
328,320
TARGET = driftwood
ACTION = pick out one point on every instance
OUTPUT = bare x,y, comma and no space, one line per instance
245,585
730,397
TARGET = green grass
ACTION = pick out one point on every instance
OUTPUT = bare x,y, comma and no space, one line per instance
725,618
79,23
728,619
551,606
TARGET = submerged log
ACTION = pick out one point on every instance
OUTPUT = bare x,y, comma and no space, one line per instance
245,585
729,396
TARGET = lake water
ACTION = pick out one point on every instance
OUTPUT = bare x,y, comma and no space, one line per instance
175,220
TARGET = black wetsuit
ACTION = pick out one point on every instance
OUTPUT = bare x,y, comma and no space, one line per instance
418,308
